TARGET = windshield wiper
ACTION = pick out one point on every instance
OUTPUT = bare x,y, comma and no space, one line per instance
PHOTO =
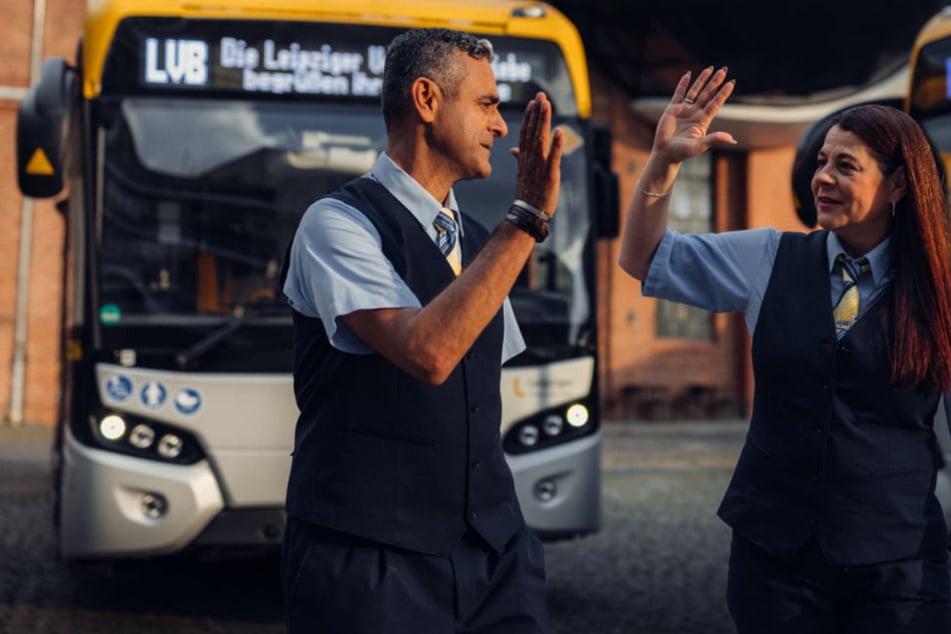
185,358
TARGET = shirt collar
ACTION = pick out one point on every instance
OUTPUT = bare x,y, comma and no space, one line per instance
879,258
410,193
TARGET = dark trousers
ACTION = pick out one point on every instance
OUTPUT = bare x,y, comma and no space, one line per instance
767,595
335,583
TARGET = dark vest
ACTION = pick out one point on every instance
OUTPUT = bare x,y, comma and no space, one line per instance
381,455
833,452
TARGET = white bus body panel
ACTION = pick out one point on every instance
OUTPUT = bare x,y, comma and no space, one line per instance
570,477
245,424
101,511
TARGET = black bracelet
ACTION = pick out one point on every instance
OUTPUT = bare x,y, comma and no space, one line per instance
532,209
534,225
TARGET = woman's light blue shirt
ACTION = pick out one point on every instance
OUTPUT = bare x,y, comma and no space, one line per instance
729,272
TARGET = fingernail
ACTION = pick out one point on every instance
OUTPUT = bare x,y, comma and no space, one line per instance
709,68
725,69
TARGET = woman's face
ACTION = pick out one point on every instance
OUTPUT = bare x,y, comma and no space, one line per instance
853,197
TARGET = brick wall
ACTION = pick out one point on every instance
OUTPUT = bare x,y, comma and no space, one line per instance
40,396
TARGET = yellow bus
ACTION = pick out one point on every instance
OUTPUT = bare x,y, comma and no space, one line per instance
185,142
928,99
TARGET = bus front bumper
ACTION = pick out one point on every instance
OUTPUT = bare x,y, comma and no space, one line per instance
112,505
559,489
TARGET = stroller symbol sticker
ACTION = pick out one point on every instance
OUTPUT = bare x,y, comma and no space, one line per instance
187,400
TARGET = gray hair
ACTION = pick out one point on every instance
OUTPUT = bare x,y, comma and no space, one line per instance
426,53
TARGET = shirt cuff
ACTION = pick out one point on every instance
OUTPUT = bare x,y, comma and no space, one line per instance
659,265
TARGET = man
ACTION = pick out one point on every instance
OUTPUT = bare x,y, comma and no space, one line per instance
402,515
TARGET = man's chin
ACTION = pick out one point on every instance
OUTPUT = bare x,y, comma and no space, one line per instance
484,172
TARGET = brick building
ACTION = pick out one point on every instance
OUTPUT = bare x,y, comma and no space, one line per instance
655,357
30,248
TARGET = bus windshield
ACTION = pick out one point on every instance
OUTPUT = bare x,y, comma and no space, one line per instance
200,198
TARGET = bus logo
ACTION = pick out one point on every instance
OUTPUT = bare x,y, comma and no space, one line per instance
176,62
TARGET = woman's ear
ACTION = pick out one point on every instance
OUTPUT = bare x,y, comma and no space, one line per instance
897,185
425,94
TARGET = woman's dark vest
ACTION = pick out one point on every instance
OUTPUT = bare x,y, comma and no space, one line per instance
381,455
834,452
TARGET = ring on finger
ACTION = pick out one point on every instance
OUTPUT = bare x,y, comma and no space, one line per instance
689,100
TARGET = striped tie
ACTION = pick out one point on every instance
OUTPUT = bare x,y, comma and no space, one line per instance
446,238
846,310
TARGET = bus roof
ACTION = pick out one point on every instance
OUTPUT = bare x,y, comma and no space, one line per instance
490,17
937,28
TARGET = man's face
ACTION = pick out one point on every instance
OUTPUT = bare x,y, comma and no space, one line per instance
467,125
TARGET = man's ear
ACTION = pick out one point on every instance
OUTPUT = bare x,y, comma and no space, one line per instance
898,185
425,94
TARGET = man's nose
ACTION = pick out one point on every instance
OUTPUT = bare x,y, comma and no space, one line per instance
499,128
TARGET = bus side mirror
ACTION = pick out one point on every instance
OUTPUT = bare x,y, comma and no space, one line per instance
42,128
604,183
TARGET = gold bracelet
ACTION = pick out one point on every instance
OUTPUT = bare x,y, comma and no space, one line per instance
655,194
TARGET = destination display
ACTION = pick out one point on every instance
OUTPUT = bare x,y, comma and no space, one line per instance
302,60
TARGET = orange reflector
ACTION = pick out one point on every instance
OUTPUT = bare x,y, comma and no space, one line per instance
39,165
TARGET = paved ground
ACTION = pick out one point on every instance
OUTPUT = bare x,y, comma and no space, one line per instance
657,567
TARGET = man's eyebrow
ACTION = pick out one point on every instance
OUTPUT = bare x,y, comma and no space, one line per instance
491,99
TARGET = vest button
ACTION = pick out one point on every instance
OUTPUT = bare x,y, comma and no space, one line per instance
820,430
475,463
474,408
473,515
817,477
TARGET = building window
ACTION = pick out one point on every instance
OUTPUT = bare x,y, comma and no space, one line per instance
691,211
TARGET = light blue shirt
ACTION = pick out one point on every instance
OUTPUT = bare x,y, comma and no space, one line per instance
337,264
729,272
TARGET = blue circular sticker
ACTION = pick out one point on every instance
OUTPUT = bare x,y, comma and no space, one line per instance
118,388
153,394
187,400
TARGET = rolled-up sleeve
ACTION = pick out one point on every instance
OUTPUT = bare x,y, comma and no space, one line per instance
719,272
337,267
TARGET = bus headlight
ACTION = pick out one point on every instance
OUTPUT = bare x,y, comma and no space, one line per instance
170,446
142,436
553,424
578,415
112,427
528,435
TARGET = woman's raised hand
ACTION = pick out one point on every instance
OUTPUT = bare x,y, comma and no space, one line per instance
682,129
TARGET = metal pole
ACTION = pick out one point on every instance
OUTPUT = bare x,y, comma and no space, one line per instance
18,375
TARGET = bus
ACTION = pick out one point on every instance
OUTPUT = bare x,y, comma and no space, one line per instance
928,101
183,145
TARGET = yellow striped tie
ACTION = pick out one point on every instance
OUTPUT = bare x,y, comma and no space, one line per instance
846,310
447,238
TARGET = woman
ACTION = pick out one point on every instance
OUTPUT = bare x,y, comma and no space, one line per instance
835,524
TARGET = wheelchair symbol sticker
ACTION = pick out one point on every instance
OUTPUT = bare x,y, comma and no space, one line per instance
118,388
